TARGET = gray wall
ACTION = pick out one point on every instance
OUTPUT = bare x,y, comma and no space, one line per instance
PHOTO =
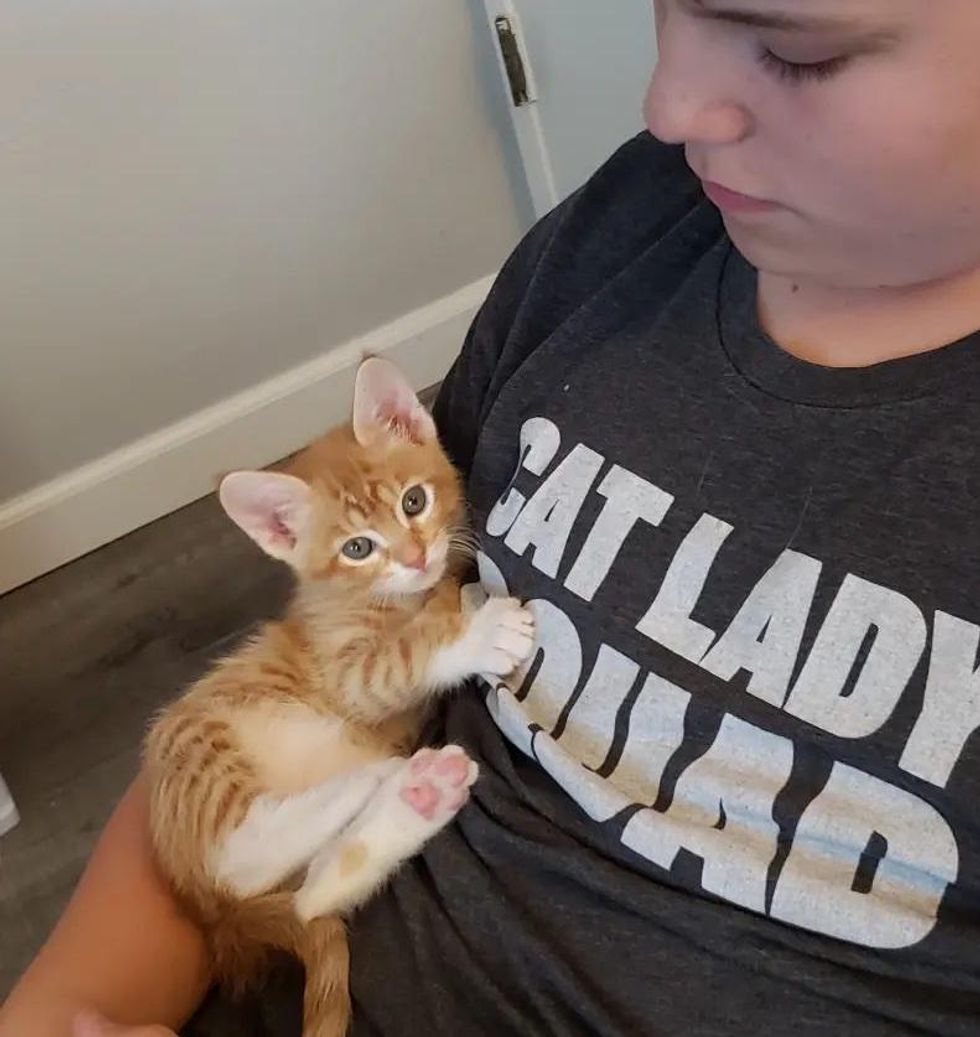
198,194
592,61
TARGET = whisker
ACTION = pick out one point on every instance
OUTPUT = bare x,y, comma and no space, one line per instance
470,543
463,533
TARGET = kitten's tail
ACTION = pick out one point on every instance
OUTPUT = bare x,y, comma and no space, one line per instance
326,999
248,930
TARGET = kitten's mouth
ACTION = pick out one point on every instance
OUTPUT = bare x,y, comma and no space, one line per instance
429,576
414,581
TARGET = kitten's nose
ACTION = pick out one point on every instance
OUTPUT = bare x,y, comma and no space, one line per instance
414,560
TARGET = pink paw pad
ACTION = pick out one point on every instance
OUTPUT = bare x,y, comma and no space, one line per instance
439,782
423,798
422,760
455,767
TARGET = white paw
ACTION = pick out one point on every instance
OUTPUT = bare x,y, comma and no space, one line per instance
412,805
500,637
436,783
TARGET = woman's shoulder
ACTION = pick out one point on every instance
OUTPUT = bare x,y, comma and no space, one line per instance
643,202
644,190
634,203
644,183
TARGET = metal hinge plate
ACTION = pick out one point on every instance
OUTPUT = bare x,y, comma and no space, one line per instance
510,51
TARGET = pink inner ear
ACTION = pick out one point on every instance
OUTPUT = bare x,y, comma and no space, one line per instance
279,532
398,420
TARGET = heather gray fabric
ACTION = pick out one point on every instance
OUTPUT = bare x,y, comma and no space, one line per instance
735,791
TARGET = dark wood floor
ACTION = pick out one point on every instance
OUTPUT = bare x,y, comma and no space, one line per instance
87,654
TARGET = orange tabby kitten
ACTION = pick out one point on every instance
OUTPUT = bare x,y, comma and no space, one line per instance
280,795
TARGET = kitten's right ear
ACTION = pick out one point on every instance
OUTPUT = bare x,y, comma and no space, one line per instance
273,508
385,405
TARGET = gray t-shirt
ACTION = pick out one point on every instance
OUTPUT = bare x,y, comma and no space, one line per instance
735,792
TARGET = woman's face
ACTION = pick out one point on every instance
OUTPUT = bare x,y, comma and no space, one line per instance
857,120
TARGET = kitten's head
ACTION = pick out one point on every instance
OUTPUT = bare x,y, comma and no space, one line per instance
373,507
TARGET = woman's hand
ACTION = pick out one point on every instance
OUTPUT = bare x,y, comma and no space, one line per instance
92,1024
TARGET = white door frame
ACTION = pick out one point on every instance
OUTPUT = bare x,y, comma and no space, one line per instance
526,117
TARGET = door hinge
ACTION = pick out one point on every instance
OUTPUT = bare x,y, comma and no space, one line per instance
510,51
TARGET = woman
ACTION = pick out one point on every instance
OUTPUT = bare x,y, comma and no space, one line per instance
720,418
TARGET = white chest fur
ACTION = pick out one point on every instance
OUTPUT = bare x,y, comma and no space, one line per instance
294,747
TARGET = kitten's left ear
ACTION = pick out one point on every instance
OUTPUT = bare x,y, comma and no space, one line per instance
386,405
273,508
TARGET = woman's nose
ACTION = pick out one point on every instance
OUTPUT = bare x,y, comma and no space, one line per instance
681,114
694,95
717,124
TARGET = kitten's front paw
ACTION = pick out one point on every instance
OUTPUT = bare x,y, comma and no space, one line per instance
501,634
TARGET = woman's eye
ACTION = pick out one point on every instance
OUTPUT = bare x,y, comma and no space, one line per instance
801,71
414,501
358,548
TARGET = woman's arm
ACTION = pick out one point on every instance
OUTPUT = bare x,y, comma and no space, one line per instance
122,946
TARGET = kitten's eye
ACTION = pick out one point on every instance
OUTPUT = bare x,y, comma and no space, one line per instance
414,501
358,548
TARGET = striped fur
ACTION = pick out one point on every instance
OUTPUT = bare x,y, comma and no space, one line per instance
336,687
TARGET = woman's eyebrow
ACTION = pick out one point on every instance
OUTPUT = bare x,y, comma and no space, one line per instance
783,21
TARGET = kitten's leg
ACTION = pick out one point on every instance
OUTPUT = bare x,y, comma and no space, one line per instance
279,835
495,640
414,803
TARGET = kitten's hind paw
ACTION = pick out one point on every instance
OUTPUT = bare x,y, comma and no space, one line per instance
436,783
414,803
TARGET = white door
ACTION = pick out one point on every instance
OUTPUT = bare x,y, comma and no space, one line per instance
574,73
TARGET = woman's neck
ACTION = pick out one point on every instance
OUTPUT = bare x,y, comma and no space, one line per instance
847,327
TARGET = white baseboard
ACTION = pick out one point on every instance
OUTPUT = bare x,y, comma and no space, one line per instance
100,501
